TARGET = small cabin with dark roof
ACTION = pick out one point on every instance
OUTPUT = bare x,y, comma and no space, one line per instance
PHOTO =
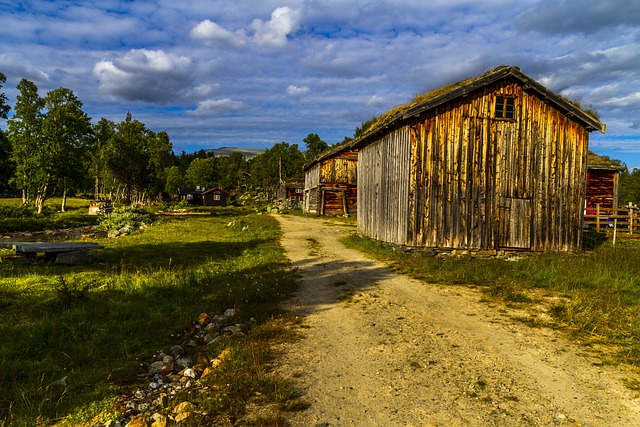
203,197
495,162
331,182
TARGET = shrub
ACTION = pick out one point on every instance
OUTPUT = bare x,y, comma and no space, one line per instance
16,211
129,217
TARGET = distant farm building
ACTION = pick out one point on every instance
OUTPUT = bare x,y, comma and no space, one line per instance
495,162
603,177
330,183
203,197
291,190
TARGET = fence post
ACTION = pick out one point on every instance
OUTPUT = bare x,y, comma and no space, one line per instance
630,220
597,217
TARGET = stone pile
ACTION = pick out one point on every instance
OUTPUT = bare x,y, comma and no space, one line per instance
159,402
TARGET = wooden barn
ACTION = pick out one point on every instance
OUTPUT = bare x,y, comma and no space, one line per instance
603,176
330,182
495,162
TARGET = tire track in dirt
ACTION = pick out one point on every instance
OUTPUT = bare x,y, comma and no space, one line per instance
382,349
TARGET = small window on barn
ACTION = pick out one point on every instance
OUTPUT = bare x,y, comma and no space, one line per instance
505,108
216,196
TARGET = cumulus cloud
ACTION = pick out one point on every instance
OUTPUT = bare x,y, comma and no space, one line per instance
297,91
375,101
210,31
274,32
213,107
271,33
145,75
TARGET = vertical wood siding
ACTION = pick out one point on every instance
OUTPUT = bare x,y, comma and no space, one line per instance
383,187
458,178
311,189
332,182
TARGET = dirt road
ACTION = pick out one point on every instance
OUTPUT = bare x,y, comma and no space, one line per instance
381,349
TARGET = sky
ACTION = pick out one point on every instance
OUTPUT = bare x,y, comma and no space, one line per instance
253,73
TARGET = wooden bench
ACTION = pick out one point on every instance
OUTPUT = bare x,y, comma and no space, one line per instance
60,252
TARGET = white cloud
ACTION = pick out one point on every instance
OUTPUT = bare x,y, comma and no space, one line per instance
145,75
297,91
271,33
375,100
274,32
210,31
212,107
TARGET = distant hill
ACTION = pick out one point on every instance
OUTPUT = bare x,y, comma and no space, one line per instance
249,153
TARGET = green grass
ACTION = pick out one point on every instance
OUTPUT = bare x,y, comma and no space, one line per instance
594,295
75,215
74,337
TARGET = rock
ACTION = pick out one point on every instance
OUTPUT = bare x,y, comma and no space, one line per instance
182,417
176,351
74,258
112,423
162,400
183,362
159,420
156,367
204,319
138,421
190,373
183,407
113,234
230,312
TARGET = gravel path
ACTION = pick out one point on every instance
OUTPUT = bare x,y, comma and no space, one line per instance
382,349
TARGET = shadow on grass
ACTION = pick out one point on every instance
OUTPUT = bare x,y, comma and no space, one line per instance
65,354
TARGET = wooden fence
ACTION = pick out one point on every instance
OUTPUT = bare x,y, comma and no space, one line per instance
623,220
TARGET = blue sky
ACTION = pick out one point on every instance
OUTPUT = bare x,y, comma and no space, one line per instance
253,73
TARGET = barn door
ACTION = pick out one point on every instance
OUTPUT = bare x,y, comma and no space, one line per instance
515,223
514,170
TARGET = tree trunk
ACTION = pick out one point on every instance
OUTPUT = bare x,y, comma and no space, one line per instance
64,199
97,189
41,196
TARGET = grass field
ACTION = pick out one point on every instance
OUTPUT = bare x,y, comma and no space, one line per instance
65,330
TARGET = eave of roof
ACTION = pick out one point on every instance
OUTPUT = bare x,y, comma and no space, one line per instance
328,154
443,95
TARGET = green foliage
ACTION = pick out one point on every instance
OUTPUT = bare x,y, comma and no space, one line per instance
203,173
280,161
129,216
629,190
315,146
15,211
70,293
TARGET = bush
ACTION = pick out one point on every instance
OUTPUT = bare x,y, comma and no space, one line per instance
129,217
16,211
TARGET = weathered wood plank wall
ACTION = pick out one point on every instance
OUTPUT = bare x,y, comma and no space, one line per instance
602,187
458,178
311,189
383,187
338,171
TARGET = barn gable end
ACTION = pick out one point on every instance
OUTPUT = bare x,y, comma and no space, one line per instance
498,162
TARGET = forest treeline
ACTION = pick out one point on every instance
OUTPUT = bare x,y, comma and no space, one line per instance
51,147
